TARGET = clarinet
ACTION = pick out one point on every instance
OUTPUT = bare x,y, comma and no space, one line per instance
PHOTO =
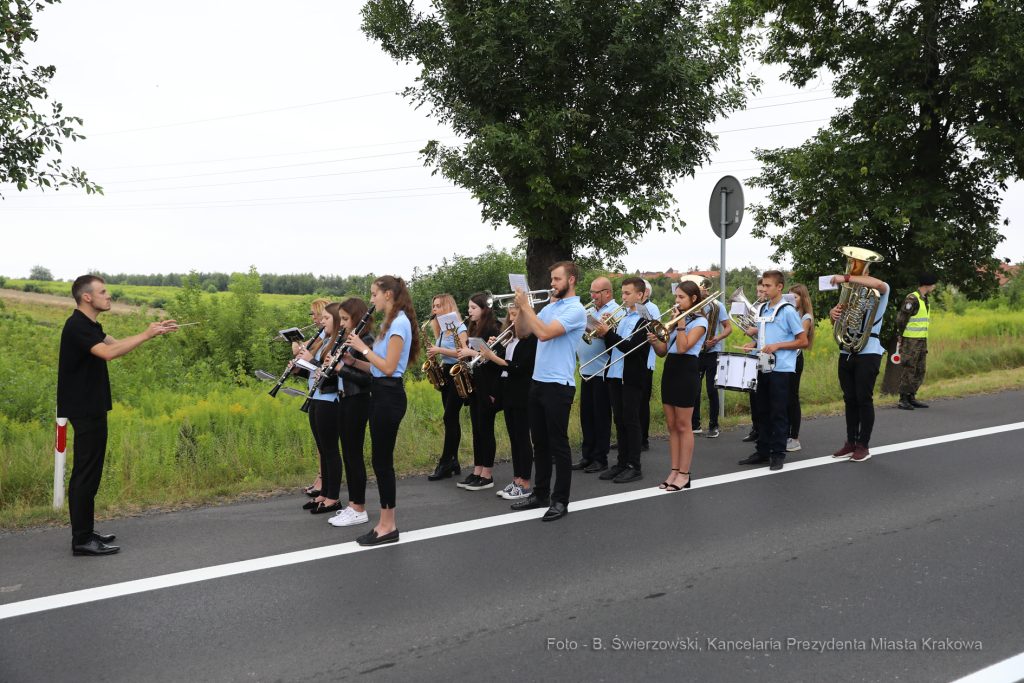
288,370
324,373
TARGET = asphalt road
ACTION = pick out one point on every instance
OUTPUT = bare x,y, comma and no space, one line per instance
917,544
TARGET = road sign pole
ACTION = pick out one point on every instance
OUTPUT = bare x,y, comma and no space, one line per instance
721,267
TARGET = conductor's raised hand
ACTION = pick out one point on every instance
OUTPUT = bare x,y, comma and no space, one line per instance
161,327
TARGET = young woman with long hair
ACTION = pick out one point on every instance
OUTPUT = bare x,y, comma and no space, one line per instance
323,415
680,383
486,399
444,348
397,341
517,375
353,414
803,307
316,313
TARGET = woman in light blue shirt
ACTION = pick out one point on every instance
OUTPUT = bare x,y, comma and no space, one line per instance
397,341
444,348
680,383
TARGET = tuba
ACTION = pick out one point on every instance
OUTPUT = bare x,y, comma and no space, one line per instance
460,371
746,319
859,304
712,317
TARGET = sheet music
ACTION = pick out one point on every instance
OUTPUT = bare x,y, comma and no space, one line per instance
591,321
738,308
791,298
476,342
520,282
447,319
825,284
306,365
644,313
675,285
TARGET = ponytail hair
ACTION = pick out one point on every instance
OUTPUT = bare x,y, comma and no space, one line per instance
692,289
401,301
805,309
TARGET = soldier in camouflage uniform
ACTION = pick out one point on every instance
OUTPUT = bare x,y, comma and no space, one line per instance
912,328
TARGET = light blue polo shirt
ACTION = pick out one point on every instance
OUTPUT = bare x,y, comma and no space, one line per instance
695,349
447,341
400,327
318,395
588,352
805,316
653,310
721,316
874,344
784,328
556,358
624,329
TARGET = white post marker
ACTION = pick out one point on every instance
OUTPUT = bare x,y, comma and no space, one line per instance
60,458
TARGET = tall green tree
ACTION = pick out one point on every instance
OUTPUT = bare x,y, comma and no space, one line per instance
579,115
913,167
28,137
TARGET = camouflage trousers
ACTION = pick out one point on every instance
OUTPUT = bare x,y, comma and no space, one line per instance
914,354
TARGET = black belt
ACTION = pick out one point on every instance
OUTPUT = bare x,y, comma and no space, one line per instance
386,382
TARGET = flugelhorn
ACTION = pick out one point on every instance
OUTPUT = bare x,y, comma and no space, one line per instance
859,303
505,300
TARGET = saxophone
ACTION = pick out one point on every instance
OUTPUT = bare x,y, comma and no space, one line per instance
432,368
460,371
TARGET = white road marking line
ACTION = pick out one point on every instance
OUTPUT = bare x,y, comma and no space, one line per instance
17,609
1007,671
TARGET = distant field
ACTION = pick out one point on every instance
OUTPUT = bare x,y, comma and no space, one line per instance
153,297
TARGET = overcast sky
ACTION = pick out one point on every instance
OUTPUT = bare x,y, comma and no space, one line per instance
330,182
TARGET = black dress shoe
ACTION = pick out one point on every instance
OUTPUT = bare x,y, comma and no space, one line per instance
582,464
94,547
613,471
755,459
531,503
373,539
630,475
556,511
645,447
323,509
752,436
595,467
104,538
912,400
444,470
310,505
776,464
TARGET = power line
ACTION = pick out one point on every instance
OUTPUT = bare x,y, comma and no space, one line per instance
776,125
237,116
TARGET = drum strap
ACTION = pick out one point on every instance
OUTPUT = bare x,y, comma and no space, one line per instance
761,321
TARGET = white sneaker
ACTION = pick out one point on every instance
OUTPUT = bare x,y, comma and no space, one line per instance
698,430
792,445
351,519
518,493
507,489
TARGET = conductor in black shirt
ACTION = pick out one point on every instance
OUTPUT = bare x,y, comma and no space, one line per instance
83,396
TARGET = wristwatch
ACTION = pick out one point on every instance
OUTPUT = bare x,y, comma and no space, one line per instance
847,277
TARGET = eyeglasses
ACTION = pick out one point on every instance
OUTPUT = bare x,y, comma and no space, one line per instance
592,292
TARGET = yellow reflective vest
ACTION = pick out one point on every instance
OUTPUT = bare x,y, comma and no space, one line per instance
917,327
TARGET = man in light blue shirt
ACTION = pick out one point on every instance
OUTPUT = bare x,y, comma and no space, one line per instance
780,334
645,402
858,372
708,364
558,328
595,405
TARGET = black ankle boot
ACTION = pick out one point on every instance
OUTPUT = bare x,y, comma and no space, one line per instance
444,469
904,403
912,400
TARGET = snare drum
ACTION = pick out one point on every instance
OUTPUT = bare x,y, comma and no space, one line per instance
736,372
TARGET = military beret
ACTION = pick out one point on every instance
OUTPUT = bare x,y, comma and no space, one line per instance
926,279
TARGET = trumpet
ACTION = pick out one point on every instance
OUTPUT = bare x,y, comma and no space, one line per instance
612,321
502,340
506,300
301,329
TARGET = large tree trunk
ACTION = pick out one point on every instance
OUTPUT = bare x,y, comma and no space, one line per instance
540,254
891,379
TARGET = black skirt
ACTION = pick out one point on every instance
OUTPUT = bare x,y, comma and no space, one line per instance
680,382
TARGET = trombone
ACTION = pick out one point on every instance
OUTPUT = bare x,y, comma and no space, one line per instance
505,300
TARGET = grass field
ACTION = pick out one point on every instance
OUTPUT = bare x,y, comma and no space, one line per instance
182,432
152,297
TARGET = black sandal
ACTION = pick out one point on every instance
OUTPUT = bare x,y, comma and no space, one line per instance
310,491
664,485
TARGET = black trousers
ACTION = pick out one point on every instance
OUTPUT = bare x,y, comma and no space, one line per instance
387,408
517,422
596,419
452,427
794,399
90,449
481,415
645,407
708,365
772,407
549,408
353,414
857,375
626,401
753,411
323,422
